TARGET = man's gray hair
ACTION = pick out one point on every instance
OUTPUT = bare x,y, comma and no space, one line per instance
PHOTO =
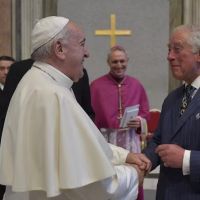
194,35
116,48
46,50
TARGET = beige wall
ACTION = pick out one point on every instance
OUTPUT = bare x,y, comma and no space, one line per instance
5,30
147,46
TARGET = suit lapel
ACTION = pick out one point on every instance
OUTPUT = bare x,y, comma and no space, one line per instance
192,107
175,113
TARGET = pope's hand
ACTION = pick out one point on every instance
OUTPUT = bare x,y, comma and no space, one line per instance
141,174
140,160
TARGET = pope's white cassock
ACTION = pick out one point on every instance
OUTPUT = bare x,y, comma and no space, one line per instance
52,150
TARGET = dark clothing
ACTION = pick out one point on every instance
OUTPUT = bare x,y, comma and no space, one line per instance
16,72
82,93
184,131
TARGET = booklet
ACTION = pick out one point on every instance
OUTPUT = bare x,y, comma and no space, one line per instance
129,113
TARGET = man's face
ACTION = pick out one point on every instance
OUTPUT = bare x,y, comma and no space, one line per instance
183,62
76,52
118,62
4,69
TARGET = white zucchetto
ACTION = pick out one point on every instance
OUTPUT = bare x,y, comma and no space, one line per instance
46,29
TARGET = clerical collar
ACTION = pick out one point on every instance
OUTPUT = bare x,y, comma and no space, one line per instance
54,74
118,80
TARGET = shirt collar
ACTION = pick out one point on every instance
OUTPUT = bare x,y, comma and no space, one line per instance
196,83
55,74
1,86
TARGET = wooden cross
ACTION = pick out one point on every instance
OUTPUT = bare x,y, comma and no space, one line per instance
112,32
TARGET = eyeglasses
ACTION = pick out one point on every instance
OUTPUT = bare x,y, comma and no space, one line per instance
177,48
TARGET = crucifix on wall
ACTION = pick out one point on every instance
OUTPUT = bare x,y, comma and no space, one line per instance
112,32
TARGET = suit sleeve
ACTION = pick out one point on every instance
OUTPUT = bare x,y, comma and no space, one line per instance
149,151
195,166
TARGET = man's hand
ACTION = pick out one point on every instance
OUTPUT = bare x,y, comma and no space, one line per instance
140,160
171,155
135,123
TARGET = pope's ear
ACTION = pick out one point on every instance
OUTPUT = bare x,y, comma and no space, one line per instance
58,49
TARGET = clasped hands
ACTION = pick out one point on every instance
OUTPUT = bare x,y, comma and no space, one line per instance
141,163
170,154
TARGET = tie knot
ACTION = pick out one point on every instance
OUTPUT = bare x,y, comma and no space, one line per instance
189,89
187,97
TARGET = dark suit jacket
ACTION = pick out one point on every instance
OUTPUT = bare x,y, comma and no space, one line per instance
185,132
82,93
81,89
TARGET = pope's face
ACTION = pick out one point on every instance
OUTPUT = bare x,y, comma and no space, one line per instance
183,62
76,53
118,62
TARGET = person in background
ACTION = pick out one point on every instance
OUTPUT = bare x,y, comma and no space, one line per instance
50,147
5,63
111,94
175,145
81,91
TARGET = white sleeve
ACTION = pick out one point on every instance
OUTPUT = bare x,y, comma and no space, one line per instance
124,185
119,154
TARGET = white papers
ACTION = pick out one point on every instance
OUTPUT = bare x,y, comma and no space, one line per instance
130,113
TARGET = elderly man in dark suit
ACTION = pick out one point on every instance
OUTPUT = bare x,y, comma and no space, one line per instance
176,143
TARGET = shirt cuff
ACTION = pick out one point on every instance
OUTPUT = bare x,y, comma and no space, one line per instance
186,162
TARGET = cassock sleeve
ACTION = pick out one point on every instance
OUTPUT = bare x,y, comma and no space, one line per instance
119,154
124,185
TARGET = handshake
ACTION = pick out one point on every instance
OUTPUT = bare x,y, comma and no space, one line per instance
170,154
141,163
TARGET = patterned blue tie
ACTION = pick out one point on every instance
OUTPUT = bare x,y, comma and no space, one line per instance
187,97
